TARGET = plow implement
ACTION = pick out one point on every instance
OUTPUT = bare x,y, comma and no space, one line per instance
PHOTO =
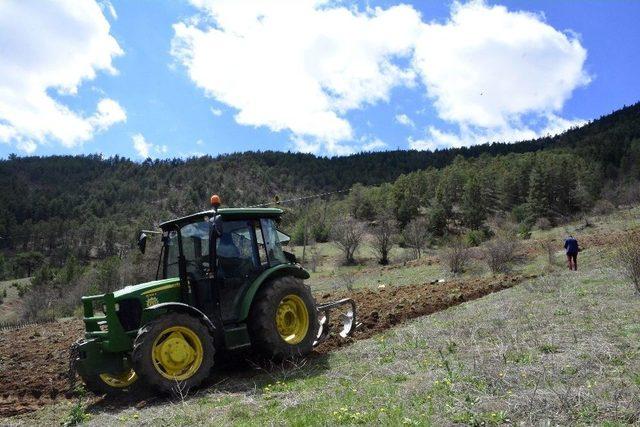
346,318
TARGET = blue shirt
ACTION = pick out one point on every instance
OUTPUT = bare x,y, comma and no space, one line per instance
571,245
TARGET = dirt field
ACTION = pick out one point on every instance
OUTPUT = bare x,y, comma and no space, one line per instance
34,360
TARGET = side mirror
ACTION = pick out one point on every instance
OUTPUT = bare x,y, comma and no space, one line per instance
142,242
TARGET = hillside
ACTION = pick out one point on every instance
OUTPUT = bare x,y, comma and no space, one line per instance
90,193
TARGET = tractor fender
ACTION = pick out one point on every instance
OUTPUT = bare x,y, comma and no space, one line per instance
180,307
266,276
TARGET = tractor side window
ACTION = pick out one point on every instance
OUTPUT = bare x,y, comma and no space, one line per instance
234,249
272,242
195,247
171,249
262,251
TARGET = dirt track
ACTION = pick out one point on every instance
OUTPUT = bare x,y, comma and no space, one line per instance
34,360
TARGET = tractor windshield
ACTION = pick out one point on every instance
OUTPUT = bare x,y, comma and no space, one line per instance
195,246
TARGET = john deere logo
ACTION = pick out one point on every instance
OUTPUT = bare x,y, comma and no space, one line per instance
152,300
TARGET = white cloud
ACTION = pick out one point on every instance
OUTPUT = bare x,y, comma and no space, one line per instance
216,112
373,145
106,4
302,65
488,68
297,65
145,149
467,136
108,113
403,119
142,147
306,146
27,146
67,44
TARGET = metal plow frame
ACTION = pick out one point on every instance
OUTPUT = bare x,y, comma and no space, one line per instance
348,319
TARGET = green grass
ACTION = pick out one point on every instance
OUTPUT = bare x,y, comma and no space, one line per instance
560,349
331,275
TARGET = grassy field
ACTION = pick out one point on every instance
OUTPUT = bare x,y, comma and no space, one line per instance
560,349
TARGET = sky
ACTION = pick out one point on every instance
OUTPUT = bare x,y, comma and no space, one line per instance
184,78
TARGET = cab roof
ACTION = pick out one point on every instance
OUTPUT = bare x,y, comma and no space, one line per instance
226,213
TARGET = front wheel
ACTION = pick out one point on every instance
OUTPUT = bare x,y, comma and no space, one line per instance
106,383
173,352
283,322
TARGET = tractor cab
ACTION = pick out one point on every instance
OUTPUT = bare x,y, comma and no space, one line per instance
218,254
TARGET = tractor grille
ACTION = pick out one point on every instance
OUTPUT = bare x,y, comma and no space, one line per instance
129,313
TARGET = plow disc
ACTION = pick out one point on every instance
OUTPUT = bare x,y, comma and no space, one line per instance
346,318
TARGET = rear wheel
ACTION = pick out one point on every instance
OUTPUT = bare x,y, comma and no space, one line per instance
283,321
173,351
106,383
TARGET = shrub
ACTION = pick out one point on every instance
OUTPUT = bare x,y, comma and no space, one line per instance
437,219
549,245
500,252
520,213
476,237
416,235
629,258
603,207
524,231
456,256
543,223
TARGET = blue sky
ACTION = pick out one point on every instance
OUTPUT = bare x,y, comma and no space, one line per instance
177,78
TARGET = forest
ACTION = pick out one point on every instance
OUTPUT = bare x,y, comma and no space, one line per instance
68,212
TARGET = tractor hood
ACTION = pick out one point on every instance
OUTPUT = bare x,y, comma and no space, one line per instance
147,288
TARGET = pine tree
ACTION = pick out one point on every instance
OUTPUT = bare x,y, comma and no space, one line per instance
538,200
472,204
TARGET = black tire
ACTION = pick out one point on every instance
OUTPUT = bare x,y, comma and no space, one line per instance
96,384
142,355
262,319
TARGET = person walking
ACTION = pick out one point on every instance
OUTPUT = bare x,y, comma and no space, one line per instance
572,248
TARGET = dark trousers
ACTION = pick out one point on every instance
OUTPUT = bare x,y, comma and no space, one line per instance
573,261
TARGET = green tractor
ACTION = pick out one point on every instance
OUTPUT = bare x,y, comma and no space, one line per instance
223,284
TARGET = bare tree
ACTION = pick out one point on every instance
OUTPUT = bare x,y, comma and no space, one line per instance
347,233
456,256
416,235
629,257
500,252
385,235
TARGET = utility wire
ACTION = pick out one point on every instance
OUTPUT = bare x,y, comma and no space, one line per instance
279,202
275,202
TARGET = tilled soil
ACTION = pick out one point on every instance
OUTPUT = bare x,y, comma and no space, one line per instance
34,360
34,365
387,307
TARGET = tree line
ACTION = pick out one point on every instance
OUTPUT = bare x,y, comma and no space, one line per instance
89,207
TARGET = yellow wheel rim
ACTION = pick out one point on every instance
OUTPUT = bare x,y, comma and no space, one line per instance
177,353
122,380
292,319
